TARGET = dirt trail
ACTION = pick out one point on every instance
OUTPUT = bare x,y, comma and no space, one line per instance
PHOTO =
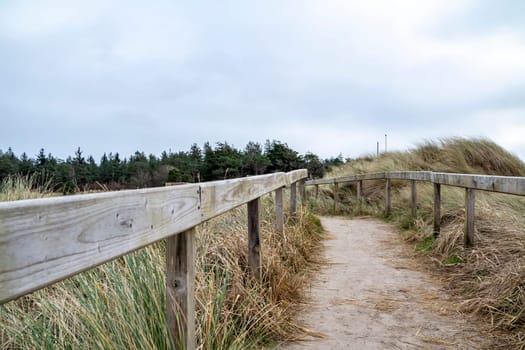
369,297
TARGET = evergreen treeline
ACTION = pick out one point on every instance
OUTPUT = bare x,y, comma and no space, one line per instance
222,161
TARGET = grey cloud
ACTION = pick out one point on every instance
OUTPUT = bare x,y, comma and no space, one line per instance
485,16
171,75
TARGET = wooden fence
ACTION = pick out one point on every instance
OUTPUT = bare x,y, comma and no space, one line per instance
471,183
43,241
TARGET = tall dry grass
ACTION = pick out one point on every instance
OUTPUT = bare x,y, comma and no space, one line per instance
14,188
490,277
121,304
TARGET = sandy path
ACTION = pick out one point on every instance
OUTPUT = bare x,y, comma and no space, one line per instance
369,297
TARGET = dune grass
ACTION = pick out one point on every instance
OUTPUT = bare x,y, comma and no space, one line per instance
14,188
490,277
121,304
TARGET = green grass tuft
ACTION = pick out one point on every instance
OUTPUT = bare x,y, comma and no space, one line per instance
121,304
426,244
490,276
454,260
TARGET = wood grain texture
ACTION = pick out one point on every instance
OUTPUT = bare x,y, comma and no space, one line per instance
470,199
180,288
502,184
410,175
388,197
352,178
437,209
413,196
220,196
45,240
254,241
372,176
279,210
320,182
302,191
293,199
296,175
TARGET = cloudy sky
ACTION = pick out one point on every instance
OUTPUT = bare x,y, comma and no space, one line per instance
324,76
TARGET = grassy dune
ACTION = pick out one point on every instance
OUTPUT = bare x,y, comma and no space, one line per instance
489,278
120,305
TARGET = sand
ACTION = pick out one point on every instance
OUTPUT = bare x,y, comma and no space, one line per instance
371,295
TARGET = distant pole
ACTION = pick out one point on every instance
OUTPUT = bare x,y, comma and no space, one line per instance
378,148
385,143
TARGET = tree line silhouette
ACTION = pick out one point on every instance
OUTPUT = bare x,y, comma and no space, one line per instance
218,162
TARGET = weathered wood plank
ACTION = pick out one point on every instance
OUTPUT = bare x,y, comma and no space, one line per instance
437,209
254,242
343,179
218,197
373,176
413,198
359,191
302,191
352,178
388,199
180,288
316,191
293,199
320,182
279,210
502,184
296,175
410,175
470,199
45,240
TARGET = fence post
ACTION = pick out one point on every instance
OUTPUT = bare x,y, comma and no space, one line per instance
359,190
437,209
254,243
316,191
388,200
302,191
470,199
293,199
336,195
414,199
279,214
180,287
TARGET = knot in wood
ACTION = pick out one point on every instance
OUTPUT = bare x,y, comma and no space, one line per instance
178,285
127,223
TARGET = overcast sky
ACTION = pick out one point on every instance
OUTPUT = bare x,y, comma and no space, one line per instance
325,76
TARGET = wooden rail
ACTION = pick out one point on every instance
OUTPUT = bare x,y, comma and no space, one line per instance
43,241
471,183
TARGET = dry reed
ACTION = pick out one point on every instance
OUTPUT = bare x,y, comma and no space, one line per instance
121,304
489,277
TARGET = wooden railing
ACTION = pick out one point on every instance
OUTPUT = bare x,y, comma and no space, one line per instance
471,183
43,241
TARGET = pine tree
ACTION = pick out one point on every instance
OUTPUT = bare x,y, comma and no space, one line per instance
254,161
